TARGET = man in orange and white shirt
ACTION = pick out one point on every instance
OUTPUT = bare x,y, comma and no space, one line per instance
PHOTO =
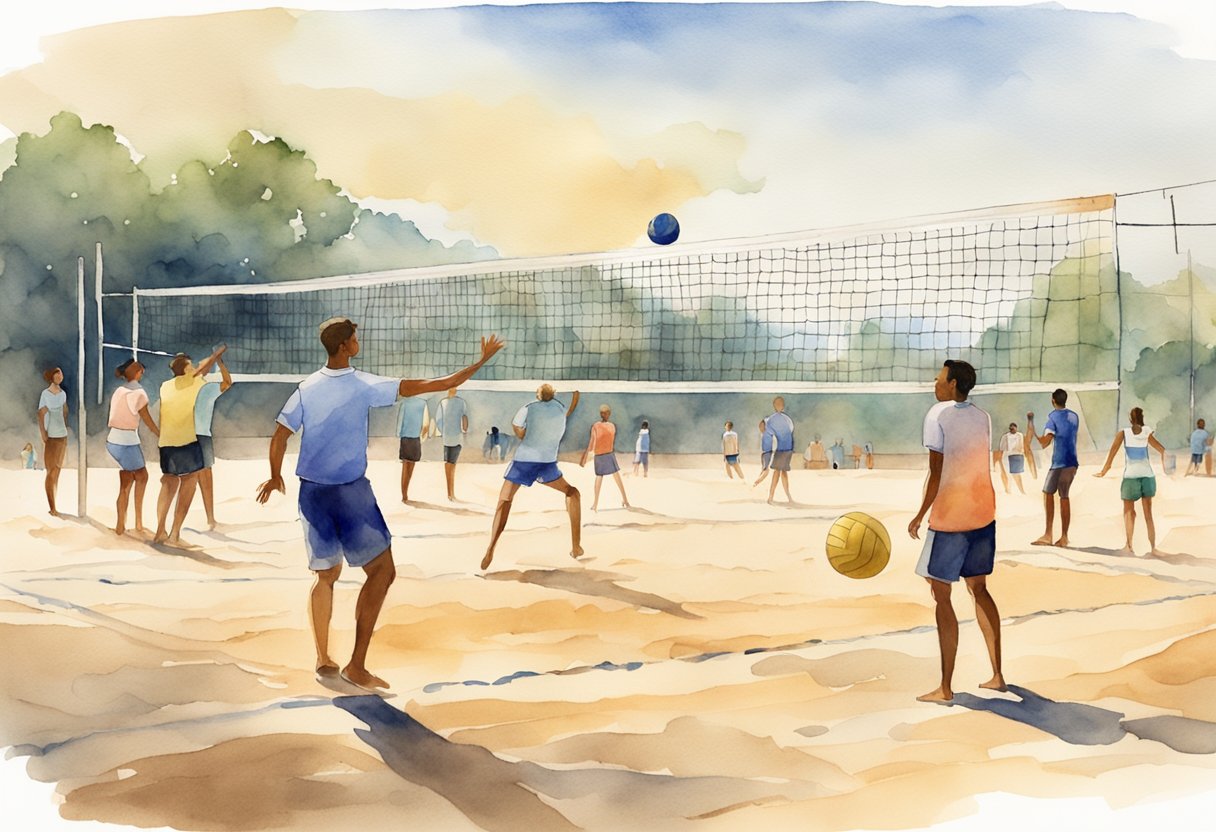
603,437
962,525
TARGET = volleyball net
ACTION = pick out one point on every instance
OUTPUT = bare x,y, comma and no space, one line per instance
1028,293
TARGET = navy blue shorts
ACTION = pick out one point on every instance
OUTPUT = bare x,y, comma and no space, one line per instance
526,473
341,521
732,459
204,442
180,460
948,556
451,453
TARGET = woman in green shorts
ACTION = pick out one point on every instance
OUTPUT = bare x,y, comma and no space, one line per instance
1139,482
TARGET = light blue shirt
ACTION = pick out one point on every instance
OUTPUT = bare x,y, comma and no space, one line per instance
781,427
54,402
204,407
331,406
838,454
1199,441
643,443
411,417
449,417
545,423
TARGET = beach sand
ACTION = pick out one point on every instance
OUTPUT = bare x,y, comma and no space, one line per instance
702,665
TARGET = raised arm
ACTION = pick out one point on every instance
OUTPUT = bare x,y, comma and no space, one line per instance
1114,449
278,448
209,362
225,376
932,484
412,387
1043,440
573,405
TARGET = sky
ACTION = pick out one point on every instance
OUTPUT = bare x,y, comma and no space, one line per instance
967,134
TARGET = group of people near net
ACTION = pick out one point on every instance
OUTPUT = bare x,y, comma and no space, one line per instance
187,405
343,524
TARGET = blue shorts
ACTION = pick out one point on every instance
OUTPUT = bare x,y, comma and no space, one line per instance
451,453
947,556
128,457
341,521
642,458
1017,463
1196,459
732,459
181,460
204,442
526,473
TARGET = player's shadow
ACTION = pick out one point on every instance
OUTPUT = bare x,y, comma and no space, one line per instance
1079,724
449,508
591,582
1104,552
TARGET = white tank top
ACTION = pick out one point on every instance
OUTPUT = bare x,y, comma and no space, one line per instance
1135,450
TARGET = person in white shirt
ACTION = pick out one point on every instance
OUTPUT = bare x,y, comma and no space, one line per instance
452,423
53,425
1139,481
730,450
1013,456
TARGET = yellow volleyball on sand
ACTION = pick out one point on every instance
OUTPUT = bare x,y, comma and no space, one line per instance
858,545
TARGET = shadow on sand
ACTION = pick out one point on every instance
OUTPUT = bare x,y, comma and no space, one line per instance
590,582
1079,724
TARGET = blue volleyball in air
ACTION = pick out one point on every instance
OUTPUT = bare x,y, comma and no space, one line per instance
663,229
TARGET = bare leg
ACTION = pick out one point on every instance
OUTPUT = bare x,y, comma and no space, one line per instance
772,486
185,496
574,509
785,484
616,475
407,472
1018,479
739,470
320,611
449,474
990,625
1207,463
595,499
141,485
729,475
1148,522
206,489
52,485
168,490
501,513
125,480
381,573
760,479
1065,516
1001,467
1129,525
947,640
1049,508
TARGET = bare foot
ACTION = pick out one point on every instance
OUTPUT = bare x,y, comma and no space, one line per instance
53,513
485,562
360,677
160,537
997,682
1045,540
595,507
327,669
1062,543
770,502
120,531
211,524
1126,551
939,695
576,552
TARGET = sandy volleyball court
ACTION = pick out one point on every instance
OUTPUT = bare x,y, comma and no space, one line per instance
701,666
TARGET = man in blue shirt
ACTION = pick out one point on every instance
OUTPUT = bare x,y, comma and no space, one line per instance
1062,425
540,426
1201,450
413,419
452,423
780,427
337,506
204,413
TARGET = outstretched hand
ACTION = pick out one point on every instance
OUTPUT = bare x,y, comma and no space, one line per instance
490,347
267,488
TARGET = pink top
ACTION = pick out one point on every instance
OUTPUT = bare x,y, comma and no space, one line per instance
962,434
125,405
603,435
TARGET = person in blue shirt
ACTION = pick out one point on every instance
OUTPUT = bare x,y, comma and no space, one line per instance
452,423
780,427
540,426
413,423
204,413
1062,426
1201,450
337,507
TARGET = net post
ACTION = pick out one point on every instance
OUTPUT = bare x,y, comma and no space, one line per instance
82,436
101,335
135,322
